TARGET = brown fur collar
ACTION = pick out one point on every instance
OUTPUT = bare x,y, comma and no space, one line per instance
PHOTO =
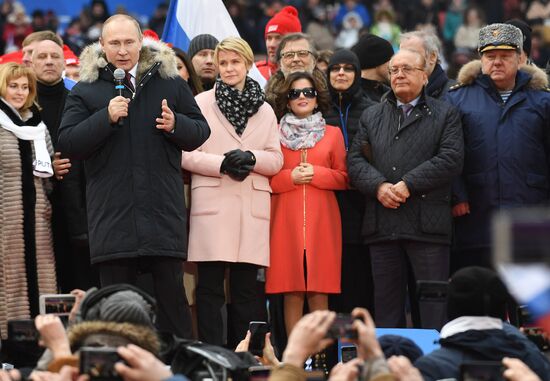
471,70
139,335
93,58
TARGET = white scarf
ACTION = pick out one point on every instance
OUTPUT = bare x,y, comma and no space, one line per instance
42,165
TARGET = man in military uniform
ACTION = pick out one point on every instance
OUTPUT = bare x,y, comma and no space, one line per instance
505,116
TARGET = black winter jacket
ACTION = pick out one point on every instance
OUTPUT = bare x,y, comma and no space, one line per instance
345,111
134,185
425,150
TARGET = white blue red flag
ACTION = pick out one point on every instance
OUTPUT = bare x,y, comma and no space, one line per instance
189,18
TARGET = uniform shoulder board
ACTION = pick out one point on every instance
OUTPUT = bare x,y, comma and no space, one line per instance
457,85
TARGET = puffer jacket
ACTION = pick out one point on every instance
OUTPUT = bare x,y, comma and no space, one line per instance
134,185
507,148
425,150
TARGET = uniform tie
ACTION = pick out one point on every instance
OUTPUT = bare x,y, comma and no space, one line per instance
406,108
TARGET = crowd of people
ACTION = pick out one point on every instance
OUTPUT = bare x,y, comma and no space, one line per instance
347,181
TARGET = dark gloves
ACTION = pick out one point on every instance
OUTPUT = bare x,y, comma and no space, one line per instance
237,158
238,164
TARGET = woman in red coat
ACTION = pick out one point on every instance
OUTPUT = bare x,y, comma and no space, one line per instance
306,242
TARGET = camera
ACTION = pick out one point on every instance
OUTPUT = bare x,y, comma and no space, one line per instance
481,371
99,363
57,304
22,330
258,330
342,328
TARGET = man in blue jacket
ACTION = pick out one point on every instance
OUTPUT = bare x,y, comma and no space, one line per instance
505,116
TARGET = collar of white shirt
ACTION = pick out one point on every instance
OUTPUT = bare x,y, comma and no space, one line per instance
133,73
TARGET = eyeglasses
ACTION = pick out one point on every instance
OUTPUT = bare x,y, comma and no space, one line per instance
405,69
309,92
337,68
300,53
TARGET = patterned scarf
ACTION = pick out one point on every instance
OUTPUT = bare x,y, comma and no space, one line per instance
237,106
298,133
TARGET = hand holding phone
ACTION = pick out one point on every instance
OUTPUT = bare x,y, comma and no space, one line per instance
258,330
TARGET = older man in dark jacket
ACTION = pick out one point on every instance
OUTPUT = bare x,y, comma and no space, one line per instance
404,157
506,117
348,103
132,147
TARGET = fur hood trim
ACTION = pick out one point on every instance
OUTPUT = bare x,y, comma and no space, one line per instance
93,59
139,335
469,72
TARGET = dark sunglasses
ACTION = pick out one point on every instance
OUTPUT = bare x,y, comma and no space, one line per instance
309,92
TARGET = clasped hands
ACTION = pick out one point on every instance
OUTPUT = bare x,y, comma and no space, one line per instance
302,174
392,195
238,164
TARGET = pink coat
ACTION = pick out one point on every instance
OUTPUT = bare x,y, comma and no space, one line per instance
230,219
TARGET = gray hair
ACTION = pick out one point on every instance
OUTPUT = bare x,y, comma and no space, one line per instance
430,41
295,37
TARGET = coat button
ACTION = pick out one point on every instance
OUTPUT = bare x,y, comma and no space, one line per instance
397,138
423,196
393,168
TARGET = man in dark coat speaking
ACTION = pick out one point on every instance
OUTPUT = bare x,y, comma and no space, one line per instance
132,144
403,158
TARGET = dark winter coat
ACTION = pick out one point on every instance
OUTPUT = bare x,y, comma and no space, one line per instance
374,90
134,185
425,150
438,83
507,148
345,111
482,345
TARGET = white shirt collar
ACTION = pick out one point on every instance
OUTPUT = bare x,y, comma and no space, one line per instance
467,323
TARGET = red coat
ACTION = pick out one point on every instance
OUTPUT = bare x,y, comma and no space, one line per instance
266,68
319,223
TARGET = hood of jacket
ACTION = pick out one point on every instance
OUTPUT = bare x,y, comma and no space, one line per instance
93,59
345,56
470,71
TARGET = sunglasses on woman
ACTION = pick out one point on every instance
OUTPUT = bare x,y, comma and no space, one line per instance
309,92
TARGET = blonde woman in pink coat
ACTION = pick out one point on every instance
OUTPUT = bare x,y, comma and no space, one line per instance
230,193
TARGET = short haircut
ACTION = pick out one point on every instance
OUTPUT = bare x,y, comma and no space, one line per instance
237,45
296,37
430,41
42,36
423,61
122,17
10,71
281,99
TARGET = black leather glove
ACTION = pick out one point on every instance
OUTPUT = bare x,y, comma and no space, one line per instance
237,158
239,174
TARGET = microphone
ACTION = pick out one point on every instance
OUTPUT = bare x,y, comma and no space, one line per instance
119,75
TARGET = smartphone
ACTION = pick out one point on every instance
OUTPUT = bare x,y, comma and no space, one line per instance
481,371
99,363
349,353
259,373
342,327
56,304
258,330
22,330
315,375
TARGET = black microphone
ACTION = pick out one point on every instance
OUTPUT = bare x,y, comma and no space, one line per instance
119,75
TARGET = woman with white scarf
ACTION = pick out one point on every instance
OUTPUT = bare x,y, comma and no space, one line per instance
27,265
306,237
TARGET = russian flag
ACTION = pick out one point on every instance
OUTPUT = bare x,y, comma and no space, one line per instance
189,18
530,285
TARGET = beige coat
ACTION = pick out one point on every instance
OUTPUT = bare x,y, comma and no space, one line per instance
14,300
230,219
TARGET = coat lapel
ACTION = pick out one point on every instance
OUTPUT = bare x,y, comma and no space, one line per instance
228,126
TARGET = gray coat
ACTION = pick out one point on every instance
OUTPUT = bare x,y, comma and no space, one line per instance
426,150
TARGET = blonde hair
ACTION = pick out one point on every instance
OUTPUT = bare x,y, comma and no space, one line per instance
10,71
237,45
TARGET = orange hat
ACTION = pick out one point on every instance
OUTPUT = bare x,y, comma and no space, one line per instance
70,57
284,22
16,57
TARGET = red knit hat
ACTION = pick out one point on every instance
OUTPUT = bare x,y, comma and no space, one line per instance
70,57
284,22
